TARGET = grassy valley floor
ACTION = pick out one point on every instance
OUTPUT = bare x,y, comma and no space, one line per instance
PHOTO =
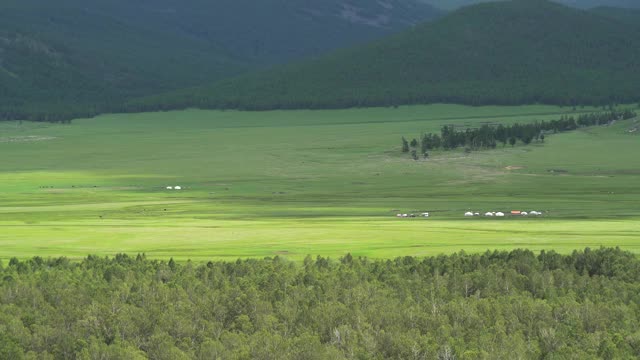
293,183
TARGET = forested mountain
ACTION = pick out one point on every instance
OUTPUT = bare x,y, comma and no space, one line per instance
496,305
56,60
584,4
71,57
628,16
587,4
514,52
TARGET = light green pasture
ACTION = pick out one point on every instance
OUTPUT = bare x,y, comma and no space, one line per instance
308,182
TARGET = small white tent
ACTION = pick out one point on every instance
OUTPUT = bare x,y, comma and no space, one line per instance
488,214
500,214
468,213
169,187
177,187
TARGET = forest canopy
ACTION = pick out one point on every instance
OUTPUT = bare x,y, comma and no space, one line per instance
494,305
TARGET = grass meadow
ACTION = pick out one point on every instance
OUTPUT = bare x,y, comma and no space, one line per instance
293,183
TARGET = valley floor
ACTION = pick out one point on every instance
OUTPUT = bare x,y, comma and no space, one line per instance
293,183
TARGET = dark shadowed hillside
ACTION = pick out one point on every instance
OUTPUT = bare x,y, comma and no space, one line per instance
583,4
627,16
515,52
72,57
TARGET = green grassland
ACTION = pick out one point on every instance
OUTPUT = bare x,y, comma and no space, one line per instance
293,183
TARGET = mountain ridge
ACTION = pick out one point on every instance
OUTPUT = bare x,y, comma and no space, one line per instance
514,52
107,52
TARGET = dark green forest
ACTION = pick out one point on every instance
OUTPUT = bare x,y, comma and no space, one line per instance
495,305
488,136
75,58
627,16
504,53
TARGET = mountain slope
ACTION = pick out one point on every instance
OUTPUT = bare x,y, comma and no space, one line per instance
60,58
628,16
583,4
524,51
72,57
276,31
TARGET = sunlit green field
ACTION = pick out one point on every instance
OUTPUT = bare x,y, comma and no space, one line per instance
308,182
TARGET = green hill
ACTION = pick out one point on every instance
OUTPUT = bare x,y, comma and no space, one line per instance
627,16
514,52
584,4
58,61
71,58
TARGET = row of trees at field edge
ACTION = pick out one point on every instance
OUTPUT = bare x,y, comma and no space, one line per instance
488,137
494,305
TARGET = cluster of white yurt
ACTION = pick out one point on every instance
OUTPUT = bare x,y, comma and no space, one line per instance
496,214
178,187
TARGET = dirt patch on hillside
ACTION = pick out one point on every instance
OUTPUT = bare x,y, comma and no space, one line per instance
513,167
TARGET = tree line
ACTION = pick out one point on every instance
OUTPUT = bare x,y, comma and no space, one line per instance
488,136
492,305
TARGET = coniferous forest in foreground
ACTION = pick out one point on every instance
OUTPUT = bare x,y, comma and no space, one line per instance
496,305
